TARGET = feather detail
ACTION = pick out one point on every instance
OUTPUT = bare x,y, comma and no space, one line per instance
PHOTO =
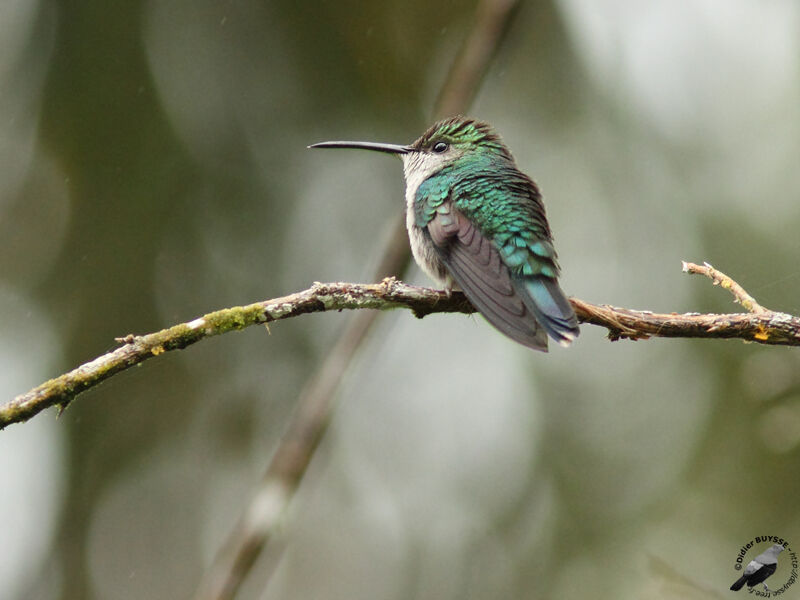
544,297
475,264
473,216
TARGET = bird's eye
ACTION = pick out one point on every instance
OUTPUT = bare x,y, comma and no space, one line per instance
440,147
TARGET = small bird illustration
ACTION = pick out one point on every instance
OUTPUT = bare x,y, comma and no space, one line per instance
759,569
477,223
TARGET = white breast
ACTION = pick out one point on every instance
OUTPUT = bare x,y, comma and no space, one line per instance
417,167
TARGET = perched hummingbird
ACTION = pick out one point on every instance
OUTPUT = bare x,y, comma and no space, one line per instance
476,222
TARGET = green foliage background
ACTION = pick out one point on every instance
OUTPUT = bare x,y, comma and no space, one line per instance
153,167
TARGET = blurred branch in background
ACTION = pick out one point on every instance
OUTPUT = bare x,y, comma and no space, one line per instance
760,325
492,18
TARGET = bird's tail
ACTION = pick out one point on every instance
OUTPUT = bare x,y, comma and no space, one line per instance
738,584
552,309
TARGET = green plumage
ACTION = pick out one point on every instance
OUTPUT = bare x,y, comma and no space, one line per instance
502,202
476,221
476,193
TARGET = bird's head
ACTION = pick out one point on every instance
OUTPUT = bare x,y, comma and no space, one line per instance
453,140
444,143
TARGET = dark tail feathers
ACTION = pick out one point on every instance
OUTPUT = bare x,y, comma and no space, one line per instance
552,309
738,584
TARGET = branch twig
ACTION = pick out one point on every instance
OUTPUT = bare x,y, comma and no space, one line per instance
719,278
136,349
764,326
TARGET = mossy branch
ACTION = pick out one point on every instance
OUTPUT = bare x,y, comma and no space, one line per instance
760,325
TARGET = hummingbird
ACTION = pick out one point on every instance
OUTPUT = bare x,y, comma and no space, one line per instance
477,223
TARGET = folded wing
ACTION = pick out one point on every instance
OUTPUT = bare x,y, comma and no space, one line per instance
475,264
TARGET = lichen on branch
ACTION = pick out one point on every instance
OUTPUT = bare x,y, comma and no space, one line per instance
758,325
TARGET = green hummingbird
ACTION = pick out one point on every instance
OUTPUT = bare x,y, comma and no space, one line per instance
476,222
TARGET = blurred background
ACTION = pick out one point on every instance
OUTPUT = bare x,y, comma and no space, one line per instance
153,167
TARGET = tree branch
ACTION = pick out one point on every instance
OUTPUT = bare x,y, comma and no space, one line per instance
137,349
761,326
719,278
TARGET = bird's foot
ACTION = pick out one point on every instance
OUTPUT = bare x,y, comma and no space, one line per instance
450,286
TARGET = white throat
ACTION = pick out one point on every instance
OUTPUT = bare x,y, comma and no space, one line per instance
417,167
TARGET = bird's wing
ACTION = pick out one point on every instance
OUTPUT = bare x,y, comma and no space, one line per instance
752,567
761,574
475,264
767,570
489,228
507,207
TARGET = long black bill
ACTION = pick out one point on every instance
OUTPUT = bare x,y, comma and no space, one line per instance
378,147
